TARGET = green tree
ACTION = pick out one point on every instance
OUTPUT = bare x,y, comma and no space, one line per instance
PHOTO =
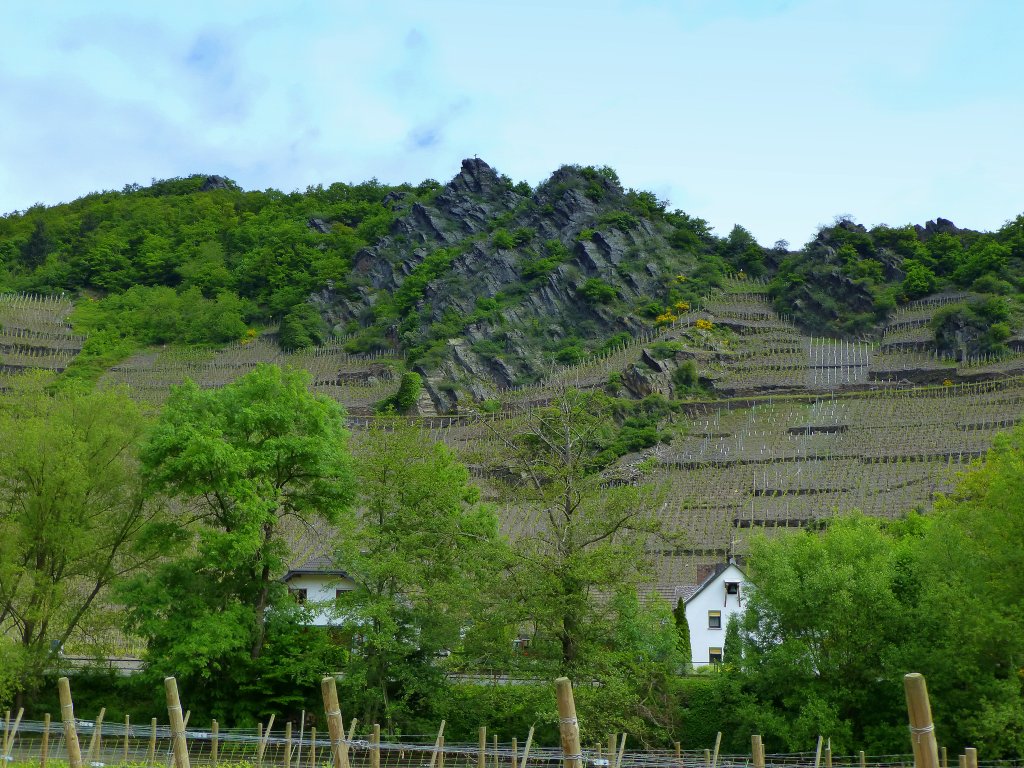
732,648
919,280
416,552
245,464
972,644
405,399
302,327
821,629
588,536
682,625
72,514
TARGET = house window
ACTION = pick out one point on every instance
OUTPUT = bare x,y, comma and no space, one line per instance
732,587
714,655
299,595
714,619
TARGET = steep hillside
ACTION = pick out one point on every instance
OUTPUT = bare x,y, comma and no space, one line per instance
488,284
482,285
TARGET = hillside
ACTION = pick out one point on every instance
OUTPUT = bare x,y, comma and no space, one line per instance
757,387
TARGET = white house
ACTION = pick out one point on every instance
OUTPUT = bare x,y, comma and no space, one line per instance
318,583
709,605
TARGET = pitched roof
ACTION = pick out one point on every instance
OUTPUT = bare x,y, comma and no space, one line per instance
687,592
319,565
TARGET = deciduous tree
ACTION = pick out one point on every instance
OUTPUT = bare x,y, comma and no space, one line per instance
71,514
241,463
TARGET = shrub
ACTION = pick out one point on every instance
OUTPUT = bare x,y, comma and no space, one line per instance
404,400
597,291
302,327
686,377
621,220
503,240
663,350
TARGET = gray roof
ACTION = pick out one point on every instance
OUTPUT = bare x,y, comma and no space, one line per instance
317,565
686,592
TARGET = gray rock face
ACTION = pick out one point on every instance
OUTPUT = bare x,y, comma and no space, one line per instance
504,327
215,182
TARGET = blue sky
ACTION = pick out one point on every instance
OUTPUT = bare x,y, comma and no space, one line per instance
774,114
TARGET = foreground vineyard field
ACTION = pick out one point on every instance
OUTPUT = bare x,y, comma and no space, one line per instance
823,428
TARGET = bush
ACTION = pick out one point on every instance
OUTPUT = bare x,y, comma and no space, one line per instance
405,399
597,291
686,377
663,350
503,240
302,327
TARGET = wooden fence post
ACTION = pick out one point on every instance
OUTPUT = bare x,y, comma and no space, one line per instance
922,730
828,753
312,747
438,743
263,741
962,760
718,745
622,748
707,758
755,750
568,725
178,743
863,759
44,748
495,750
96,743
944,758
971,757
817,753
151,755
515,753
335,725
481,755
214,742
288,744
127,726
440,753
9,737
67,716
375,753
526,749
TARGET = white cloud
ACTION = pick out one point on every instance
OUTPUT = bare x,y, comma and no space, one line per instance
776,115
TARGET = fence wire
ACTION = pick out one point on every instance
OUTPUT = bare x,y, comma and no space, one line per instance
113,745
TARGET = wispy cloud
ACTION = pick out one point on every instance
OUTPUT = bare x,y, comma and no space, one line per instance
776,115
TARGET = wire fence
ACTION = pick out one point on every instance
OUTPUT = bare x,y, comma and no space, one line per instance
114,744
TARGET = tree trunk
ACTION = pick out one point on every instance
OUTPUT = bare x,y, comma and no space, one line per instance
264,596
261,613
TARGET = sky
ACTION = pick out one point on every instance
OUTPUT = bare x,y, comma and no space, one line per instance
778,115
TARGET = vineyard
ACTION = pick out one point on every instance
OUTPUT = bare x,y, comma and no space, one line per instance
815,428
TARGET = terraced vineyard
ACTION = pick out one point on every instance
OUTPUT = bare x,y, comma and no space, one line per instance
814,428
356,381
34,333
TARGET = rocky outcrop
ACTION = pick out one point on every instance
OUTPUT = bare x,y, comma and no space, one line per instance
505,322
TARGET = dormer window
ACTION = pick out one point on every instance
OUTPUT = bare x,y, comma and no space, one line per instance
732,587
